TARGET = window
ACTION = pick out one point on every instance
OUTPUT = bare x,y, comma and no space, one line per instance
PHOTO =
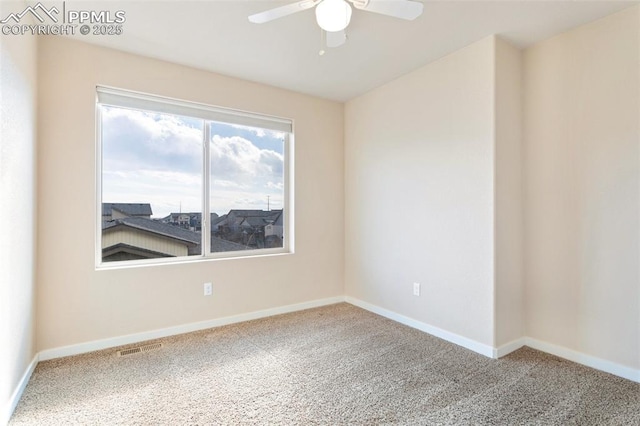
180,180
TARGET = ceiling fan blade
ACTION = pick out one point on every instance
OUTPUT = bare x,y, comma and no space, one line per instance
336,39
279,12
403,9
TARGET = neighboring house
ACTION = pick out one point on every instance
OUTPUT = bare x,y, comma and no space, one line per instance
112,211
192,221
128,232
142,238
253,223
178,219
276,227
250,218
248,227
218,223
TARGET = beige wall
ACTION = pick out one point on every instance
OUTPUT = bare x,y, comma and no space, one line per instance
79,304
582,104
509,226
508,184
17,214
419,155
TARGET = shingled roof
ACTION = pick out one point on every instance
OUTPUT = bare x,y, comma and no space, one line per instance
129,209
155,227
219,245
255,213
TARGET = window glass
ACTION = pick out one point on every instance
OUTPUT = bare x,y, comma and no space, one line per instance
246,187
151,185
182,180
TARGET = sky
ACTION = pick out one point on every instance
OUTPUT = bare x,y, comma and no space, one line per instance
157,159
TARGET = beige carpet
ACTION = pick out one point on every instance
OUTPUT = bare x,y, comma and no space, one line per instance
332,365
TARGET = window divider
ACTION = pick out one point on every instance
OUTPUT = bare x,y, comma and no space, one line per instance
206,199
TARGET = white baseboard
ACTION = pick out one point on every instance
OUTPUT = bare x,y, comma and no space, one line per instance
584,359
507,348
180,329
486,350
465,342
17,393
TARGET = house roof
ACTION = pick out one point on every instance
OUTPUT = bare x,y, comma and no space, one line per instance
218,220
129,209
219,245
175,215
254,218
254,213
127,248
171,231
279,220
155,227
255,221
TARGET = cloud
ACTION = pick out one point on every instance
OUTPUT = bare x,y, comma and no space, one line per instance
157,159
237,159
245,175
158,178
279,186
221,183
133,139
166,192
258,131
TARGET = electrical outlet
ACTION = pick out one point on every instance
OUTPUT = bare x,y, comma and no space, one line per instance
416,289
208,289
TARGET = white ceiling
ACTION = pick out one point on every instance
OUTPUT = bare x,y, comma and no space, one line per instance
216,36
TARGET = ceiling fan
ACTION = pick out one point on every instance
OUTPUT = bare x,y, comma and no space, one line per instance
333,16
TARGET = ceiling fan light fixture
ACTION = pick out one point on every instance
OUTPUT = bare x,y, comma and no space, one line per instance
333,15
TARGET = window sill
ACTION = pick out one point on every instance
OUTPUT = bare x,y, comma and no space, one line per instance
249,254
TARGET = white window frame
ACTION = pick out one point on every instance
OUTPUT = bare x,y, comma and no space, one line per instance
109,96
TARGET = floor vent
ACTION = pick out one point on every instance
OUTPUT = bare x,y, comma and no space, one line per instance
139,349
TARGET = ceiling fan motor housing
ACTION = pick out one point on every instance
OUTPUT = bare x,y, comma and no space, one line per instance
333,15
